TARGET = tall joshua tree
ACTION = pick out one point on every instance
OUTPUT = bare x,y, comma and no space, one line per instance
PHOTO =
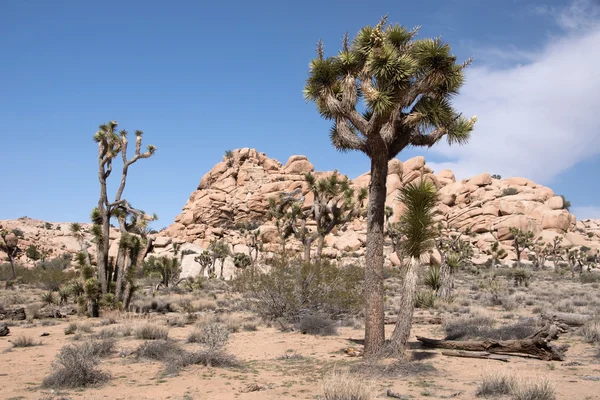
10,245
111,144
417,229
405,87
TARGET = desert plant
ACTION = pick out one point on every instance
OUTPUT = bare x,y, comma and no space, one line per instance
495,385
24,341
75,367
510,191
343,386
33,253
417,229
10,245
317,324
48,298
566,203
205,261
496,252
110,146
405,86
432,278
540,389
591,332
150,331
520,241
241,260
167,268
496,176
425,299
219,250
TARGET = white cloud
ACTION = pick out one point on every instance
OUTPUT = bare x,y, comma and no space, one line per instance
541,117
585,212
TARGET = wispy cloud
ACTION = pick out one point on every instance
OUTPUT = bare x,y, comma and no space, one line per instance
586,212
540,117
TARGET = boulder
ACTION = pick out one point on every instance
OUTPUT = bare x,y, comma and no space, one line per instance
298,165
481,180
395,167
555,203
414,163
556,219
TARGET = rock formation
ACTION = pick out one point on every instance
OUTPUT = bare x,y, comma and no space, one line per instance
236,192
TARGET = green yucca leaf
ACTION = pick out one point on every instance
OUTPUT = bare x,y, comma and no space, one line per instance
416,224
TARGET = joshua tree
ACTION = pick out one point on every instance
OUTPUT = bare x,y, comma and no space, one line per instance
418,231
166,267
219,251
555,252
496,252
205,261
454,253
405,87
566,203
540,252
334,205
10,245
241,260
521,241
285,211
110,145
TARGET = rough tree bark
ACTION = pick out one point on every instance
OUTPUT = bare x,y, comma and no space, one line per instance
402,330
374,324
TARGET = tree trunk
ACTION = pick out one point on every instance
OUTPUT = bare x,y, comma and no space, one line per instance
11,260
320,244
373,289
445,289
401,333
537,345
307,245
139,259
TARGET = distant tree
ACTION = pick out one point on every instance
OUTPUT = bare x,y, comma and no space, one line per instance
205,261
168,268
454,253
219,250
495,176
111,144
566,203
241,260
405,87
555,252
10,245
496,252
285,210
418,232
521,241
33,253
540,251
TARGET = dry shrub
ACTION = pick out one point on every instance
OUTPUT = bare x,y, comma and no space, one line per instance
160,350
24,341
591,332
469,326
150,331
317,324
75,366
495,384
540,389
344,386
214,335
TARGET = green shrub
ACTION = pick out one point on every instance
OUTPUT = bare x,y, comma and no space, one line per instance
433,278
317,324
425,299
509,191
495,385
293,287
33,253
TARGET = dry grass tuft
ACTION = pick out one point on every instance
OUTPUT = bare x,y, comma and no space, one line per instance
345,386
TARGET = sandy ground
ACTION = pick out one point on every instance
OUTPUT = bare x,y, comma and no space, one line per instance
23,369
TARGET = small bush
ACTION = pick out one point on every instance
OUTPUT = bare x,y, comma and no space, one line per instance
159,350
317,324
214,335
509,191
541,389
344,386
467,326
591,332
250,326
71,328
425,299
589,277
75,366
433,279
24,341
151,332
493,385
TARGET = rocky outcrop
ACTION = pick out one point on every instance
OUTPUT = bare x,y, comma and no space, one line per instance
236,192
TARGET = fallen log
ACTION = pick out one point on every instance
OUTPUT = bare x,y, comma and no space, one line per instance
567,318
537,345
417,320
476,354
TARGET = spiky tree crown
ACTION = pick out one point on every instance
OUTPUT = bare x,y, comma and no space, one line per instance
405,85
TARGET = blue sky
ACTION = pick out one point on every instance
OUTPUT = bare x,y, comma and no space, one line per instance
200,78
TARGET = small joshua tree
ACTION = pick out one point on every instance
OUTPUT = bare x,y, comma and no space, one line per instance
219,250
521,241
540,252
556,252
241,260
167,267
10,245
496,252
205,261
454,253
285,211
